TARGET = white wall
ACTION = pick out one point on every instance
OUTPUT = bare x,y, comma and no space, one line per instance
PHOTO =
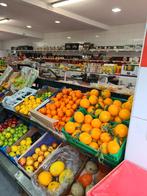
117,35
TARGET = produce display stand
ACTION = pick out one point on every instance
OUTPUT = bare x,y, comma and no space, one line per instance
20,178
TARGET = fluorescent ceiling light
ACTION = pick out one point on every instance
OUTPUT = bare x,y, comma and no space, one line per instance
57,22
29,26
63,2
97,36
3,4
68,37
115,10
3,20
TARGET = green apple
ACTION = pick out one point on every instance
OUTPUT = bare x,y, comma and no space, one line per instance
15,139
12,131
2,138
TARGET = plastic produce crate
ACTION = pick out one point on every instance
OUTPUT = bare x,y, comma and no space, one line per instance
127,179
47,139
10,102
108,159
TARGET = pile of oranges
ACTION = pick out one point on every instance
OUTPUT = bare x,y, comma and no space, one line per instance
63,106
106,109
91,131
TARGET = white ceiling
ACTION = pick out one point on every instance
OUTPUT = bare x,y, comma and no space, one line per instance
93,12
133,11
8,36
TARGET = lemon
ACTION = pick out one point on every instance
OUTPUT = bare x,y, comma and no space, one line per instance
23,142
17,108
14,148
57,168
28,142
31,97
28,139
18,152
38,100
26,99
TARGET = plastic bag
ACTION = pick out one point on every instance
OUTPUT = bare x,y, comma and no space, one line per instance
72,160
25,79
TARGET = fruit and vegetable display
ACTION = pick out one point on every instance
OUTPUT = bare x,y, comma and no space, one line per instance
44,96
11,134
28,104
62,106
17,150
103,106
92,173
32,162
56,176
10,122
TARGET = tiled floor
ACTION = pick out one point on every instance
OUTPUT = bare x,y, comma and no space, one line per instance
7,185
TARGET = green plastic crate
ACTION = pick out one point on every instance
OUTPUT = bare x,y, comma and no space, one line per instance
109,159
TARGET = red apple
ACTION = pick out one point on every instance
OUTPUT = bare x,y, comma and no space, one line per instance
22,161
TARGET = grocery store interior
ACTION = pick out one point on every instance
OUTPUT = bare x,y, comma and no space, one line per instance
73,112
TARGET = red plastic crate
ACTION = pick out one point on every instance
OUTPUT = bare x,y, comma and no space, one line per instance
127,179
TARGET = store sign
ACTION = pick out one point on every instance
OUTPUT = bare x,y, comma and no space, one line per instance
144,54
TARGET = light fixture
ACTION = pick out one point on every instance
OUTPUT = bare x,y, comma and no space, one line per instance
115,10
3,4
29,26
68,37
97,36
63,2
57,22
3,20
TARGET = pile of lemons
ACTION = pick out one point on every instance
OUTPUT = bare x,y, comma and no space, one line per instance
28,104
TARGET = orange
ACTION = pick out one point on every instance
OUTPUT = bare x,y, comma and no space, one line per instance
60,113
88,118
57,104
113,109
55,117
42,110
85,138
59,96
49,115
68,106
84,103
79,117
95,133
117,102
53,112
78,101
104,148
74,106
104,116
121,130
78,94
94,145
71,103
108,101
113,147
90,109
67,119
93,100
105,137
70,127
127,105
106,93
124,114
77,124
117,119
65,91
96,123
69,113
44,178
48,105
94,92
101,104
52,106
86,127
